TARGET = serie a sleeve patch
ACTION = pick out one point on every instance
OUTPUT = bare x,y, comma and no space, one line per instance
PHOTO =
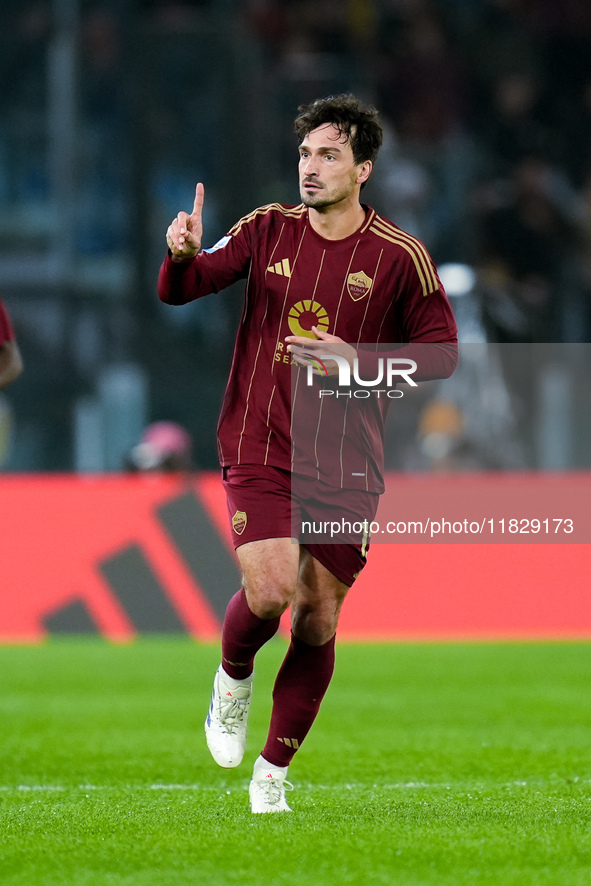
219,245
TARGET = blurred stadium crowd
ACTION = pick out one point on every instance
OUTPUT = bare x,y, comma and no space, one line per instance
112,110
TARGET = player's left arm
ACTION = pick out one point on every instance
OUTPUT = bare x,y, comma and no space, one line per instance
307,350
426,321
426,326
437,359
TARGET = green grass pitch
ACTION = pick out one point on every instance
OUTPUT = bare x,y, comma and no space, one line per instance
445,764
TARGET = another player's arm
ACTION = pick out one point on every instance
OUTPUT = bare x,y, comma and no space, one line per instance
11,362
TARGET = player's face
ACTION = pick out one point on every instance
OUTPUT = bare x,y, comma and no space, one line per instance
328,173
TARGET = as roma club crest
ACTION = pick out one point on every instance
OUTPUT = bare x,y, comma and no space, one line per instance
239,521
358,285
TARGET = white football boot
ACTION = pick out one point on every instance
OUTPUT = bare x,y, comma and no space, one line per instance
225,724
267,788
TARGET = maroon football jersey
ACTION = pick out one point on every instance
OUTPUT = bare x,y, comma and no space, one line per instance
6,331
377,286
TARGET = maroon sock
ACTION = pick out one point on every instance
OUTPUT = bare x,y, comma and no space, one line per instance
299,689
243,634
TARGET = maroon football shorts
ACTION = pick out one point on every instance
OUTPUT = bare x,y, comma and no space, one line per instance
268,502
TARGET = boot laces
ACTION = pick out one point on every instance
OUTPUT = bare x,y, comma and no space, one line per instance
274,789
231,712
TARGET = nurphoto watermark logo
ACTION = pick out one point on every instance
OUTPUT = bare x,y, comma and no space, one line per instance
390,371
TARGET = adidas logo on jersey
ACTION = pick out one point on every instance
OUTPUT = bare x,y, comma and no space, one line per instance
281,267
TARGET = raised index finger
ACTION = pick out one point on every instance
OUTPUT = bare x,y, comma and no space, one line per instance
198,202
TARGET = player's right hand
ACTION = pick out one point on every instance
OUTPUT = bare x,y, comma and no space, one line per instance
185,233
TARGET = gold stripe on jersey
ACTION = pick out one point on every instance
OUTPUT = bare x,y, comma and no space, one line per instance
344,431
416,261
430,274
379,335
345,278
268,207
246,408
375,277
268,443
277,246
242,320
294,394
415,249
422,256
268,423
299,369
370,217
316,438
295,261
323,323
296,213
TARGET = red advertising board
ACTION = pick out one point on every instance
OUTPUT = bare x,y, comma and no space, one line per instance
122,555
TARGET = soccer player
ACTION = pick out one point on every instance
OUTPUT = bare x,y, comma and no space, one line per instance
327,272
11,363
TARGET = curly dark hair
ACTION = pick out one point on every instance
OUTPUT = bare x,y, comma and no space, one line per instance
358,122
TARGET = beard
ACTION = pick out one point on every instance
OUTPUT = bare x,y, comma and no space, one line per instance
324,197
317,199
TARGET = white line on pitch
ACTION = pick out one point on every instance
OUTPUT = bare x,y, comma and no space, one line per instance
307,786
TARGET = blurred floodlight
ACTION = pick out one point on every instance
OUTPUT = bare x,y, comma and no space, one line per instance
457,279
